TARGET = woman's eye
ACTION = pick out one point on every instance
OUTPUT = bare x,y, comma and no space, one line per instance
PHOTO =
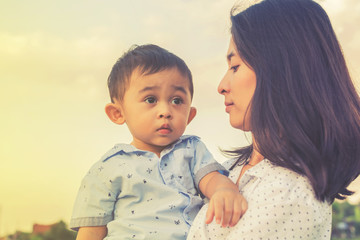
177,101
150,100
234,68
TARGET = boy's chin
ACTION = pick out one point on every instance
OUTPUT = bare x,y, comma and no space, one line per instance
165,142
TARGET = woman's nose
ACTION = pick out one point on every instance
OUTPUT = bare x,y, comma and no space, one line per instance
223,86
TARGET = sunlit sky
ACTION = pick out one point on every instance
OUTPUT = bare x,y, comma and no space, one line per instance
55,57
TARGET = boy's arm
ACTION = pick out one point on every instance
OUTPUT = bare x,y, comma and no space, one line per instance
226,202
91,233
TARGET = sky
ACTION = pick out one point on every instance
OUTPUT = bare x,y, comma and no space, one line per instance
55,57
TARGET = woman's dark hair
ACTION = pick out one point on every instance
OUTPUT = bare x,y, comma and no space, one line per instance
305,112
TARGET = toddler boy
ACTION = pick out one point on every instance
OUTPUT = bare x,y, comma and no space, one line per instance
149,189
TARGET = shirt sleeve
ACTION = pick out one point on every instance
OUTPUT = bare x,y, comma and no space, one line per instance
95,200
204,163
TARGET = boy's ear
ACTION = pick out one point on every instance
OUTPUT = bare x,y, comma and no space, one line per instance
192,114
114,112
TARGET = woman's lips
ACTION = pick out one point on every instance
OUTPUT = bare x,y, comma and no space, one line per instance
228,106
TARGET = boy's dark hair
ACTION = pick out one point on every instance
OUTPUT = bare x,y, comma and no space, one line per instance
305,112
148,59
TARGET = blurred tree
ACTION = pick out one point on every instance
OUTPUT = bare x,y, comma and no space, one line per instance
345,220
36,237
59,232
19,236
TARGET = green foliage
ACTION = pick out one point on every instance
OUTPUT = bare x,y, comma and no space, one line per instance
357,214
36,237
20,236
335,238
345,221
58,232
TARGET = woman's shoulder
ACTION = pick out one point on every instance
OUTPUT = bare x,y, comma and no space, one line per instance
229,163
280,184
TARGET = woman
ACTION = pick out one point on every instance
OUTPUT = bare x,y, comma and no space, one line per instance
288,84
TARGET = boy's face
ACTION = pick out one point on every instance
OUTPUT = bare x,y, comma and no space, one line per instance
157,108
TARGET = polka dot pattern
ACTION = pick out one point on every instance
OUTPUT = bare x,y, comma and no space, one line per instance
281,205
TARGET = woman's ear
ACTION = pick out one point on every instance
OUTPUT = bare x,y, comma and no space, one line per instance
192,114
115,113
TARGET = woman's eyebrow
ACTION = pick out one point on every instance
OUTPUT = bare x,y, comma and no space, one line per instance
230,55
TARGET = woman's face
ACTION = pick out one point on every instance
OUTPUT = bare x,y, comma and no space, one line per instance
238,87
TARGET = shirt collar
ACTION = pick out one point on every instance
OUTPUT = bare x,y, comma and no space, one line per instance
262,168
123,148
258,171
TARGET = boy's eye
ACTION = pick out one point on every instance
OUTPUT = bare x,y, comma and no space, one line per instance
150,100
177,101
234,68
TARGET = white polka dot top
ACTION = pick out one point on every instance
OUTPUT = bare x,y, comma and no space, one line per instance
281,205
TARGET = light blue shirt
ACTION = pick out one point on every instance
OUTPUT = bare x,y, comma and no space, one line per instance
141,196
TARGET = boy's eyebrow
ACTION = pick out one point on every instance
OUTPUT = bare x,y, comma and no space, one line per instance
179,88
176,88
145,89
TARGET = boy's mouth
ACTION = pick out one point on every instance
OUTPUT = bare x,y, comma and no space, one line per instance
164,129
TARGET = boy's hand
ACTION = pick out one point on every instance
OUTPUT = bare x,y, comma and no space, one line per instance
92,233
227,206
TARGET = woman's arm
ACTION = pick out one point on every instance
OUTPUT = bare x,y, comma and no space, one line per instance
91,233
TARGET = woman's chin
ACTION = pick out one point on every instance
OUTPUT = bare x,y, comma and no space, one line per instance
240,126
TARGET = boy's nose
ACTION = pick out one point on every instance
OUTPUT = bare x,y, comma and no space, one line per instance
165,115
165,112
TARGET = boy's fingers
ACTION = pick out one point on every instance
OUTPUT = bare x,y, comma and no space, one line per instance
219,208
237,213
244,207
227,212
209,213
